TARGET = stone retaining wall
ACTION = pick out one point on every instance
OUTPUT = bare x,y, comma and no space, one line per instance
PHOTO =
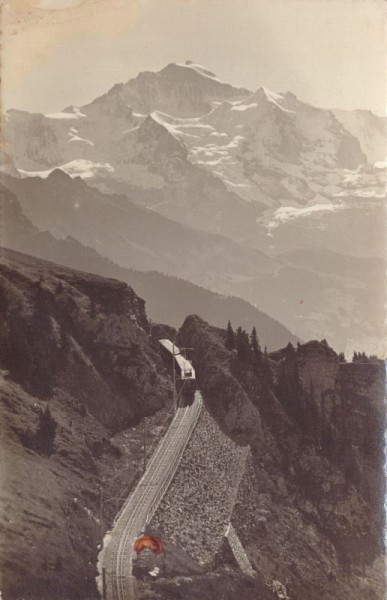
239,552
197,508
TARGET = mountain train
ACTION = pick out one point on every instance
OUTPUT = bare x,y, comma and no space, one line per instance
184,372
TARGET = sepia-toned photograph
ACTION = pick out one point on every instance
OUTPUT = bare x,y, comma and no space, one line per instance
192,300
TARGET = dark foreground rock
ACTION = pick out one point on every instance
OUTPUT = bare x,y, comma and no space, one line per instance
309,511
78,372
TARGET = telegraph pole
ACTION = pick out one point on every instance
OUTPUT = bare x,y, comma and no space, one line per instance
144,444
101,515
174,377
102,534
104,583
151,339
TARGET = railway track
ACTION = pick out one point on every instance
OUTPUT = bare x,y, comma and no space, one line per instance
140,506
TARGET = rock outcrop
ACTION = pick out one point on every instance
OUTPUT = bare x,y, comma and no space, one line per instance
309,512
224,395
78,372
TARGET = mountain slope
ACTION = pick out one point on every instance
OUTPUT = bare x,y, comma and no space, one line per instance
185,90
195,149
368,128
295,293
129,235
167,298
75,347
310,507
265,169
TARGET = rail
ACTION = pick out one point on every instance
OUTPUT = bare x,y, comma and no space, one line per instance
167,482
175,419
142,503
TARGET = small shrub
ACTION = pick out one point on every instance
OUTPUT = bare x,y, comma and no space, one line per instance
45,434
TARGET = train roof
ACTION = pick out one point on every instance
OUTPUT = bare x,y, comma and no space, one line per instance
170,346
187,370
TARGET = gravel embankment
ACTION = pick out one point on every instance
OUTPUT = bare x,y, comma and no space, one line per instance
196,510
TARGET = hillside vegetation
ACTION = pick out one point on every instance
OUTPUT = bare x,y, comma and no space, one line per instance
78,374
79,371
309,510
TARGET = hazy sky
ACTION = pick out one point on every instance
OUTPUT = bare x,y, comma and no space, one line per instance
62,52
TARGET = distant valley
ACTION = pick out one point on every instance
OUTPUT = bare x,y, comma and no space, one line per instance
167,298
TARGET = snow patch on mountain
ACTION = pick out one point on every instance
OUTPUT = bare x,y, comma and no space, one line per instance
232,183
218,134
75,137
75,168
76,114
275,98
194,123
289,213
199,69
380,164
169,123
243,107
131,129
212,150
362,193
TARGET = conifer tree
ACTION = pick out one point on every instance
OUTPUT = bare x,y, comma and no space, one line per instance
290,351
230,337
268,378
45,433
242,344
238,341
254,343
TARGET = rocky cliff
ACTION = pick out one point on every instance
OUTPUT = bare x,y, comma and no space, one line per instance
309,511
78,373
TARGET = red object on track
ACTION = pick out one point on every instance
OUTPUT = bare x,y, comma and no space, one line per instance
151,542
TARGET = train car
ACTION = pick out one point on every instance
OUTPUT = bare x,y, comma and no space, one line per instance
183,365
185,372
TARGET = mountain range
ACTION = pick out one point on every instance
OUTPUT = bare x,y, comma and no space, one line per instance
167,298
204,152
251,194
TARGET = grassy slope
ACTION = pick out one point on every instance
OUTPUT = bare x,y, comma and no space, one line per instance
50,517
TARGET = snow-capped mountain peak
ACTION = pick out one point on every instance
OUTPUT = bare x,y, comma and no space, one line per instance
264,96
199,69
179,89
163,130
257,167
